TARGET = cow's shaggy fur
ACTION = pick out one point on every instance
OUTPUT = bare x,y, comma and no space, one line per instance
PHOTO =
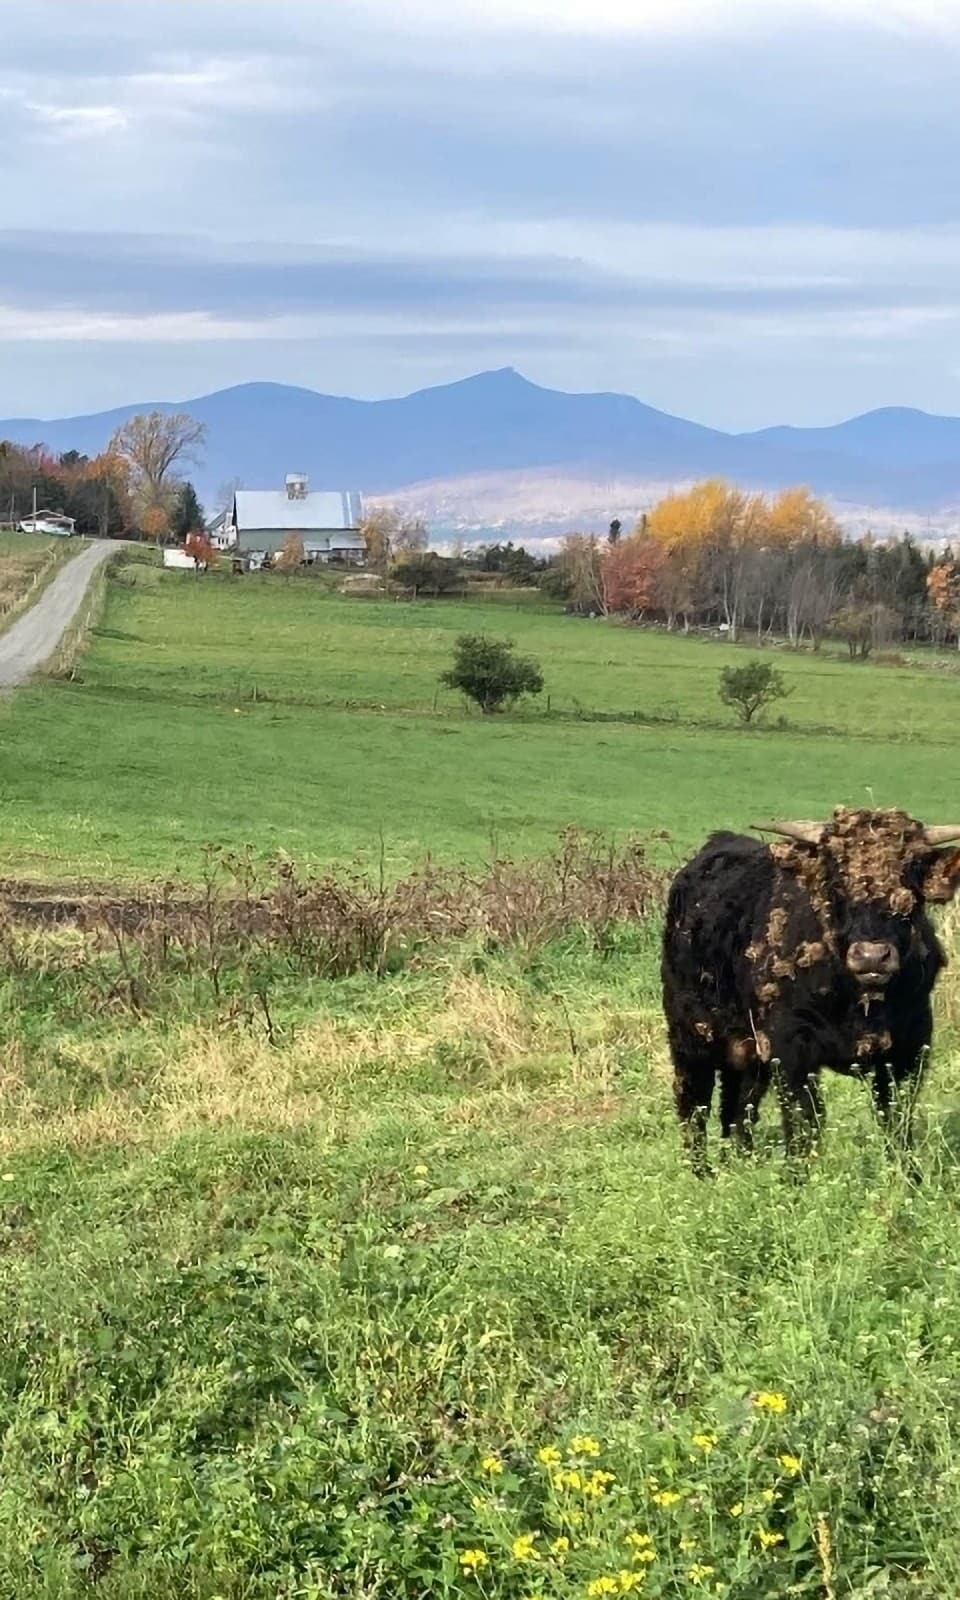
756,980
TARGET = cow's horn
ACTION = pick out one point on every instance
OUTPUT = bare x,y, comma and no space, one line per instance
941,835
803,832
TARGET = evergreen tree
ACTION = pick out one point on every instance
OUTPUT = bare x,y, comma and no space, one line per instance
188,513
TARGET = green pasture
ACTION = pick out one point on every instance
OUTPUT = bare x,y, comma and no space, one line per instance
268,712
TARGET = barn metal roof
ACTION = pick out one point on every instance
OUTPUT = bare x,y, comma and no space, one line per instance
326,509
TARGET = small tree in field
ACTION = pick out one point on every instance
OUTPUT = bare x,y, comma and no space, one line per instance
199,547
487,672
291,555
750,688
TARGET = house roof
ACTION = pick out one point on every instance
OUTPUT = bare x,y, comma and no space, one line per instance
321,509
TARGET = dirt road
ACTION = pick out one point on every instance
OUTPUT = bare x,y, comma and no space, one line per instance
33,638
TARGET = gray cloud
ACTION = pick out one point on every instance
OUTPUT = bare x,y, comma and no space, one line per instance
455,188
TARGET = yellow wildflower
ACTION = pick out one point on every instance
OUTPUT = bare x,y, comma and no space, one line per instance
479,1502
474,1560
522,1548
560,1547
567,1480
492,1465
688,1544
768,1539
705,1441
767,1496
549,1456
666,1497
601,1586
420,1171
766,1400
791,1464
698,1572
639,1540
737,1510
629,1580
597,1483
583,1445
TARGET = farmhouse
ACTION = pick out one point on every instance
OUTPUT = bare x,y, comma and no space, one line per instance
328,521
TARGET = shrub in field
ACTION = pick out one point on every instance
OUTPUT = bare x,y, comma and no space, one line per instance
249,922
486,671
425,572
750,688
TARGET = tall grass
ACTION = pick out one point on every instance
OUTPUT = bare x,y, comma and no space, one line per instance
404,1289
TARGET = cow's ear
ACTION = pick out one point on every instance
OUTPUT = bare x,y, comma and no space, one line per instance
941,875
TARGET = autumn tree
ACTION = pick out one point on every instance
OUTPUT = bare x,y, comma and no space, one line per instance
795,516
155,523
199,547
154,444
632,573
107,480
943,590
682,524
389,534
291,555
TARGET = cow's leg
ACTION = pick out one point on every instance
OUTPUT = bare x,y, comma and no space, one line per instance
801,1106
694,1074
742,1087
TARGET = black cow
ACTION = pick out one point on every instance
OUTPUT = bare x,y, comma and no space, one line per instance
814,952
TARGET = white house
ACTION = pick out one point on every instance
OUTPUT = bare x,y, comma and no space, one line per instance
328,522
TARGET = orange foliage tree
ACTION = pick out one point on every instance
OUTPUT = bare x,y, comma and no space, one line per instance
943,592
291,555
155,523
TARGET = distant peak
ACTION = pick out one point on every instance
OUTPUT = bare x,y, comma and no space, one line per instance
499,378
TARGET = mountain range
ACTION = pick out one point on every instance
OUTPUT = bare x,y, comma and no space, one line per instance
440,447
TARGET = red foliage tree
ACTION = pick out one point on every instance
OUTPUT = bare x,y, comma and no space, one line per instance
632,573
199,547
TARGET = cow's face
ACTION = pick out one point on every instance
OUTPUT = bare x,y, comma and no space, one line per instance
869,875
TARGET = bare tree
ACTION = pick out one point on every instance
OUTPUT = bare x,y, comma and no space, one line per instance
388,534
153,444
581,563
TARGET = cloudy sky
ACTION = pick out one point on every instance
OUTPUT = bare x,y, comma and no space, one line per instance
742,212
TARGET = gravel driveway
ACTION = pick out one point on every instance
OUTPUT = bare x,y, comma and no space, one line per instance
33,638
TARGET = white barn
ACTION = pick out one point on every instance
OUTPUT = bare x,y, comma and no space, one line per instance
328,521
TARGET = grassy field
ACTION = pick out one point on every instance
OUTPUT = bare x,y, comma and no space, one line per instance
27,563
320,1313
393,1284
262,712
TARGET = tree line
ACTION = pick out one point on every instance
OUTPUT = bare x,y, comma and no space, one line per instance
755,565
134,486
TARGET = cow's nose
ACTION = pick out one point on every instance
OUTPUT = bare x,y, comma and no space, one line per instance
869,959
